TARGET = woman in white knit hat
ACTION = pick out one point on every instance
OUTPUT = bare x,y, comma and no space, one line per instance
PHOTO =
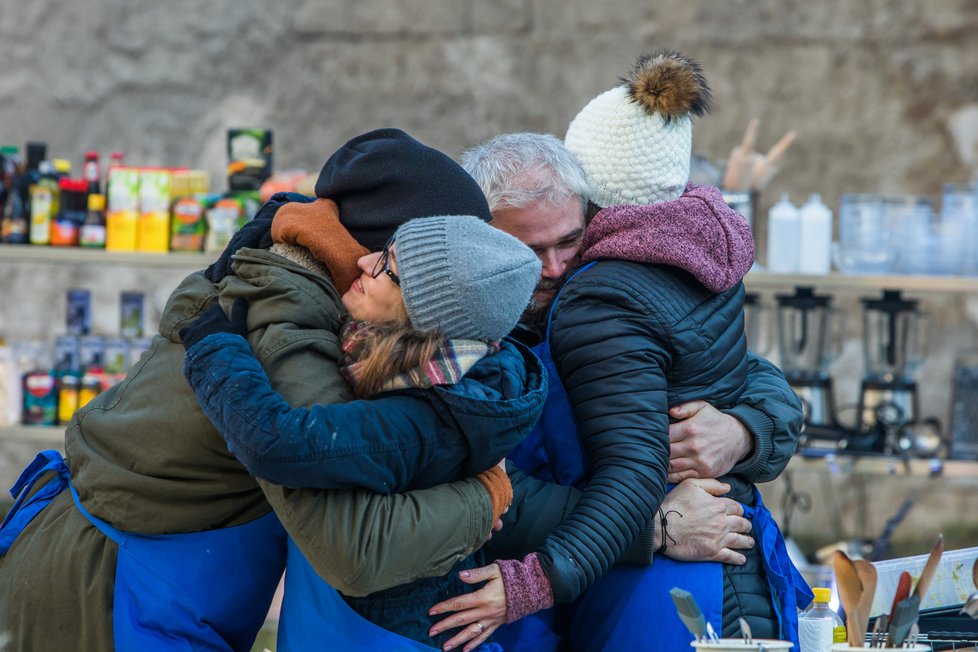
652,318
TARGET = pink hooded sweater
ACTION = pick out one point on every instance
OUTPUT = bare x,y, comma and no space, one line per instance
697,232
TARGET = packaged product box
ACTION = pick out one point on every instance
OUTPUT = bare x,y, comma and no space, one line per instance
116,355
249,158
123,211
67,354
78,311
153,231
91,352
131,314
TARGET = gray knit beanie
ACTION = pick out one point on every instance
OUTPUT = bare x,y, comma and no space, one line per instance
463,277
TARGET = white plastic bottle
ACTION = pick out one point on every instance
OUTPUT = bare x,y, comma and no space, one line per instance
816,237
783,237
818,626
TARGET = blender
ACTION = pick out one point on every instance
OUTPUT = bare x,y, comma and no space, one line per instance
808,336
893,345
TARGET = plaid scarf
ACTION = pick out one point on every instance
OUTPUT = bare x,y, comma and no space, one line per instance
450,361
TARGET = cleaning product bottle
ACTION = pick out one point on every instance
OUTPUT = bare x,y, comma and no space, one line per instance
816,236
783,237
818,626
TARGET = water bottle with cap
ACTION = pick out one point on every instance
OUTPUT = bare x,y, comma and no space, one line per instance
816,236
818,626
783,237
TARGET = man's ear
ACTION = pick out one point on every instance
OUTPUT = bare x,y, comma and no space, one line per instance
592,210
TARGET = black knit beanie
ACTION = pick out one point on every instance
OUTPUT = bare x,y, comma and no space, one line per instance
383,178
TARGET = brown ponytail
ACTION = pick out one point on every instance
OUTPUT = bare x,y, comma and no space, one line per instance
393,348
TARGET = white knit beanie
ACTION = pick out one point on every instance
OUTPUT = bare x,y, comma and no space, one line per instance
635,140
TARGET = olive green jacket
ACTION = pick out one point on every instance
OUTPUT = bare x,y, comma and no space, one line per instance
144,458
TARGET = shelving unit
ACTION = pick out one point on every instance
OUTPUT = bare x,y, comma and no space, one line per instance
835,282
81,256
43,436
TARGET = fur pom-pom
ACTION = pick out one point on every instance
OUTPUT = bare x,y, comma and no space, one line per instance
669,84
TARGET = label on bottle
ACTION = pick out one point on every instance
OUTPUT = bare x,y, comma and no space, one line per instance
839,634
92,235
41,204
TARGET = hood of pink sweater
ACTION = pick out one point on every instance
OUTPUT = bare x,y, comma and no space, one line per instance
697,232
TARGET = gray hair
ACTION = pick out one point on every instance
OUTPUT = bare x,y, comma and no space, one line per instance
516,170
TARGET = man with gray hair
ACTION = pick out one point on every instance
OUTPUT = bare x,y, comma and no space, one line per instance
538,192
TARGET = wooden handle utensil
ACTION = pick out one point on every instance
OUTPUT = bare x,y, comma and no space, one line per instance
850,592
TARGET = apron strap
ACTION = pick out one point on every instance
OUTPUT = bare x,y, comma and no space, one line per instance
29,505
553,305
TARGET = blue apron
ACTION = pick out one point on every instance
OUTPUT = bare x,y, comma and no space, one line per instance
629,607
314,616
205,590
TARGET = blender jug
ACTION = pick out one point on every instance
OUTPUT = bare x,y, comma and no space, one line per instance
809,335
756,325
894,337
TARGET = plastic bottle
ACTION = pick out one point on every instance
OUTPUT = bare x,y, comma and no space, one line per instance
818,626
783,237
816,236
45,203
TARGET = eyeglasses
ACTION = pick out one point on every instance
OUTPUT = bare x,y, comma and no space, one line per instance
383,265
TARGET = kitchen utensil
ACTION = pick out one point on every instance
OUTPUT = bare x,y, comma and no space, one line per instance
903,590
913,636
745,631
879,631
904,617
867,576
690,614
923,582
850,592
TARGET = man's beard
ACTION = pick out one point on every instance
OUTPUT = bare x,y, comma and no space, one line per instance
543,297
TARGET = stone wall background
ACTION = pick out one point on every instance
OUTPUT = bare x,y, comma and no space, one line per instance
883,95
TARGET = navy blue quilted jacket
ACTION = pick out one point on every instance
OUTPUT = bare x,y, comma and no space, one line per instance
629,340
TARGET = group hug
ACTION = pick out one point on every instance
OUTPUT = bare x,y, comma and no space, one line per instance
501,404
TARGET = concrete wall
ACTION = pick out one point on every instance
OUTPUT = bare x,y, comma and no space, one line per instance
883,95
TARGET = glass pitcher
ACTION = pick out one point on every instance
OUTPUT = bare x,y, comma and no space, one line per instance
809,332
894,335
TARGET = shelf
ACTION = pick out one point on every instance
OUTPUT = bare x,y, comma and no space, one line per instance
48,435
840,463
78,255
908,283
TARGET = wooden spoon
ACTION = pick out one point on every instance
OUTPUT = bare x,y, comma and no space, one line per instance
850,592
926,575
867,575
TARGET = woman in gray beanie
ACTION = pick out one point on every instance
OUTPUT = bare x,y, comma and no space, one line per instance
429,314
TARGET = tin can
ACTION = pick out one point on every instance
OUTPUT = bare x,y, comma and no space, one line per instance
131,314
79,314
67,397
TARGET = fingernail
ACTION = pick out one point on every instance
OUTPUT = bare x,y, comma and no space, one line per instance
433,612
464,574
447,647
433,633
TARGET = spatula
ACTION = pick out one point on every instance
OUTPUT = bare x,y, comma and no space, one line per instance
926,575
689,612
850,592
902,591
